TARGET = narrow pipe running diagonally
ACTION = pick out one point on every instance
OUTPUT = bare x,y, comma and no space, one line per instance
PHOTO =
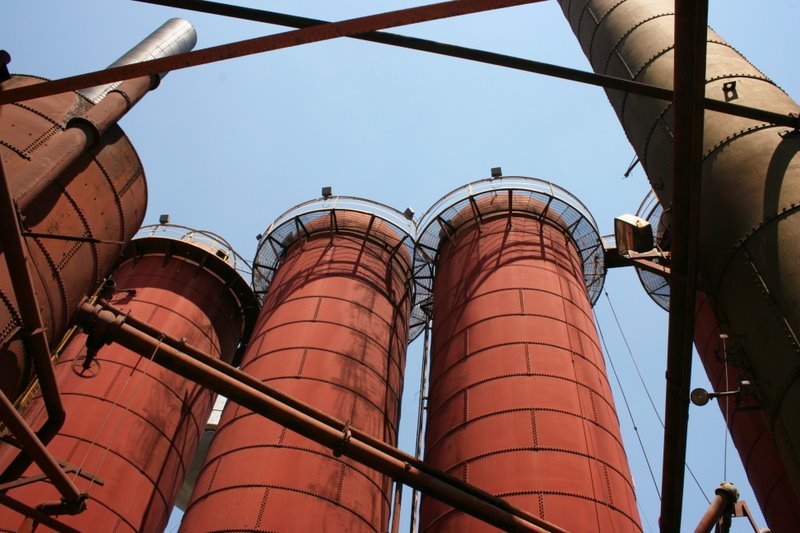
130,422
519,402
750,191
332,332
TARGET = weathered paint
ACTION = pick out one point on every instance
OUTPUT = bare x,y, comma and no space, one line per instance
332,333
131,422
750,191
519,403
743,413
102,196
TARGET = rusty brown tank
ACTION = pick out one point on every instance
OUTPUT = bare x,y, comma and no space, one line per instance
332,333
131,423
519,402
750,196
101,196
753,440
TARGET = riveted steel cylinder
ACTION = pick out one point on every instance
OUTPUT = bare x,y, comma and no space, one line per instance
750,191
102,196
519,402
131,423
332,333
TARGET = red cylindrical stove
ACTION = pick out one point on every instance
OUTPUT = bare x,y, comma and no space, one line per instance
332,332
519,402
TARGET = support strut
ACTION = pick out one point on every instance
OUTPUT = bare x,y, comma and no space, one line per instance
295,416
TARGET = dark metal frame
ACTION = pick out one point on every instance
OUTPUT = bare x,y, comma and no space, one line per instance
689,103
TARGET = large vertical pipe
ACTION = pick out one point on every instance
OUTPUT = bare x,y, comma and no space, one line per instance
130,422
519,401
332,333
750,191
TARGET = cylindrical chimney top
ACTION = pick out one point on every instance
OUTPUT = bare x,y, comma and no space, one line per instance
174,37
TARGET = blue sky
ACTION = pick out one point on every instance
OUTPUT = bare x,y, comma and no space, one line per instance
228,147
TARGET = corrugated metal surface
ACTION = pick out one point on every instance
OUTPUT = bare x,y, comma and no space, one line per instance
519,402
332,333
103,198
129,421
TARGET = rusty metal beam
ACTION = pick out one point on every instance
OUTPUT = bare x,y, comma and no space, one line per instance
480,56
726,496
37,515
296,416
33,446
287,39
691,21
33,328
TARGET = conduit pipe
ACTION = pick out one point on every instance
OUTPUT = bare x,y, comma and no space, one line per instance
82,134
254,395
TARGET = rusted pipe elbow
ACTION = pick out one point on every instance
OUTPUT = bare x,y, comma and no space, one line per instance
57,507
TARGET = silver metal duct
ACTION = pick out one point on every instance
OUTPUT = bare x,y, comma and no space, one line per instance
175,36
750,228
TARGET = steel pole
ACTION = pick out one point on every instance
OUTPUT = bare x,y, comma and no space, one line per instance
691,21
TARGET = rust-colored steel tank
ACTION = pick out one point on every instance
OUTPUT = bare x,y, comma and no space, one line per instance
750,195
101,196
332,332
755,444
131,423
80,189
519,402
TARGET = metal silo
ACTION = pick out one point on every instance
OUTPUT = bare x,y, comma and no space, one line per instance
519,402
336,279
132,426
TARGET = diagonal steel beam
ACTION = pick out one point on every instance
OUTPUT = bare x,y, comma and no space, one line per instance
479,56
691,21
283,409
288,39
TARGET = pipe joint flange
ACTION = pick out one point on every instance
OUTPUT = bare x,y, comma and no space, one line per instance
347,435
89,128
103,331
64,506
